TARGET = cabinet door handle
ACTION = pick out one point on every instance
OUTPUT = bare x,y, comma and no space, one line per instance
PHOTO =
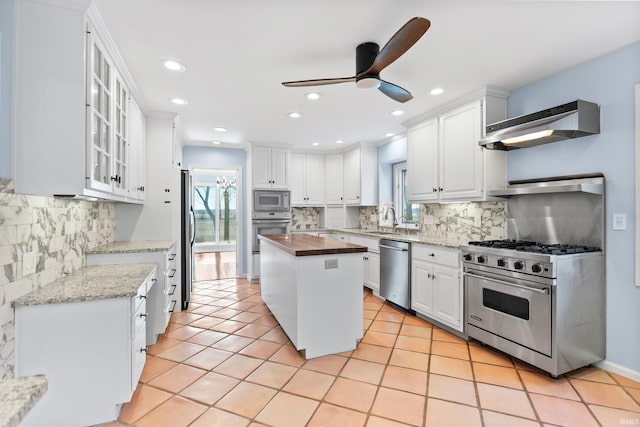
428,275
172,290
173,273
114,178
172,257
441,189
173,306
143,316
143,297
153,279
435,190
143,350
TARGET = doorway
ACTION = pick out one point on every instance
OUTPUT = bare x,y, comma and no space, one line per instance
217,213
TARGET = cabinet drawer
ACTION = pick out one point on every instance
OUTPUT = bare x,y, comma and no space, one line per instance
369,242
138,320
450,257
141,296
138,358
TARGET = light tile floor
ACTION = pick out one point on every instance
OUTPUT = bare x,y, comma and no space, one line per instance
226,362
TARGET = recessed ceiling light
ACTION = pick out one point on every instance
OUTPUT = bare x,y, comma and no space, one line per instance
389,134
219,129
216,142
339,141
315,144
397,113
436,91
172,65
294,115
313,96
179,101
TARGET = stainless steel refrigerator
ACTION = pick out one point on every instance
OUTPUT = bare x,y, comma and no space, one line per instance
187,235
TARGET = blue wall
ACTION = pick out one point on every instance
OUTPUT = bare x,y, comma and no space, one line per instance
388,155
608,81
221,158
6,77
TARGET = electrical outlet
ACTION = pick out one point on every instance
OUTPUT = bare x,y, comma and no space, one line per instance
619,221
28,263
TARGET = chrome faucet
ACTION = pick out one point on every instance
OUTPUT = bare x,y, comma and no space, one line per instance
395,223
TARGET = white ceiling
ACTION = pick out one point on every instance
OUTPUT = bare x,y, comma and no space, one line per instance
238,52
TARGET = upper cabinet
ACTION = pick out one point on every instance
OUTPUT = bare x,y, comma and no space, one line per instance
360,176
307,183
270,167
72,115
444,160
334,184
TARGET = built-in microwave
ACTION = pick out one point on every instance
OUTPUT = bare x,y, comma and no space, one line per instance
271,201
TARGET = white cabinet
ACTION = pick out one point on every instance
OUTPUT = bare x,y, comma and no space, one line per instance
92,353
371,265
72,104
137,151
334,179
176,145
307,178
270,167
422,161
162,296
436,284
361,176
444,160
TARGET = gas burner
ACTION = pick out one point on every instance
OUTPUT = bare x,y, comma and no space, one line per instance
503,244
558,249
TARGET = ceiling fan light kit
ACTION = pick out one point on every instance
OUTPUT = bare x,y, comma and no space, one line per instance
371,60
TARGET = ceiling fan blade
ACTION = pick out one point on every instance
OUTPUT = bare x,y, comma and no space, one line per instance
319,82
401,41
394,92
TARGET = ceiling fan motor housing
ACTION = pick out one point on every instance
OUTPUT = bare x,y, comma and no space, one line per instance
365,55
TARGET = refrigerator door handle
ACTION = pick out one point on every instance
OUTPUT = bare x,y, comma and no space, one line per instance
192,224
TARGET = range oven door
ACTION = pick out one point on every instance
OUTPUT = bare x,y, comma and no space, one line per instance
513,308
268,226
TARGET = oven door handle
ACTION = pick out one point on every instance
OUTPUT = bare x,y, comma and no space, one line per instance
544,291
270,221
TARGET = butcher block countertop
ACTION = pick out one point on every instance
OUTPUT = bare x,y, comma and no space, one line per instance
307,245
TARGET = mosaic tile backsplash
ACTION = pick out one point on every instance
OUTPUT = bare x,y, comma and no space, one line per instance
460,223
305,218
59,231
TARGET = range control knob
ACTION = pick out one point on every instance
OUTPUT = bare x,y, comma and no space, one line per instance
518,265
536,268
502,262
482,259
468,257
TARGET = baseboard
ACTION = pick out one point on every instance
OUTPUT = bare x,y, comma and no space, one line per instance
619,369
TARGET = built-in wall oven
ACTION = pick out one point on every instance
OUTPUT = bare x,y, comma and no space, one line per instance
271,214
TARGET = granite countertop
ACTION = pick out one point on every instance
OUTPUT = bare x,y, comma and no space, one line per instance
18,396
382,234
132,246
90,284
306,245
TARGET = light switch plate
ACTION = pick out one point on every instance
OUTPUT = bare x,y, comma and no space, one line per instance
28,263
330,263
620,221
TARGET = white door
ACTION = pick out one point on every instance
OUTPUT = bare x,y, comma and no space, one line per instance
460,154
422,162
279,168
261,161
352,177
422,287
373,271
298,175
314,179
447,296
334,179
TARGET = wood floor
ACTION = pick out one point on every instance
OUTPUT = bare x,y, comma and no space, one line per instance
214,265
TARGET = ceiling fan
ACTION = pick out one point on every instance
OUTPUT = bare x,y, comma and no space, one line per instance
370,60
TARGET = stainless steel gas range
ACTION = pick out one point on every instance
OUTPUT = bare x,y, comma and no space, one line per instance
540,295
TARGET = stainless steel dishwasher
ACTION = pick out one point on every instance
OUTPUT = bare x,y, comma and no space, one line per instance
395,272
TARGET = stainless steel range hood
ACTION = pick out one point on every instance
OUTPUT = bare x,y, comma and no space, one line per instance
571,120
586,183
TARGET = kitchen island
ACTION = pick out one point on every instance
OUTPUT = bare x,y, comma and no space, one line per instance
313,287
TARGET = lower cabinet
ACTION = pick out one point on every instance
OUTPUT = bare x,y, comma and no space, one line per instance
436,284
92,352
162,298
372,272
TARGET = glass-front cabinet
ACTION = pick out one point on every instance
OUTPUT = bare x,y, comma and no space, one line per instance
108,123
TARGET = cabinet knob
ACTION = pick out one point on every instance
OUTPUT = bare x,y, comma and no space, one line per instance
143,350
428,275
440,189
432,255
143,297
435,190
114,178
143,315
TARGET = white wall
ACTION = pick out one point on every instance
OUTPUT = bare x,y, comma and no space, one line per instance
608,81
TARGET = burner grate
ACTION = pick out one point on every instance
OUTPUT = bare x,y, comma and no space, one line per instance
535,247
